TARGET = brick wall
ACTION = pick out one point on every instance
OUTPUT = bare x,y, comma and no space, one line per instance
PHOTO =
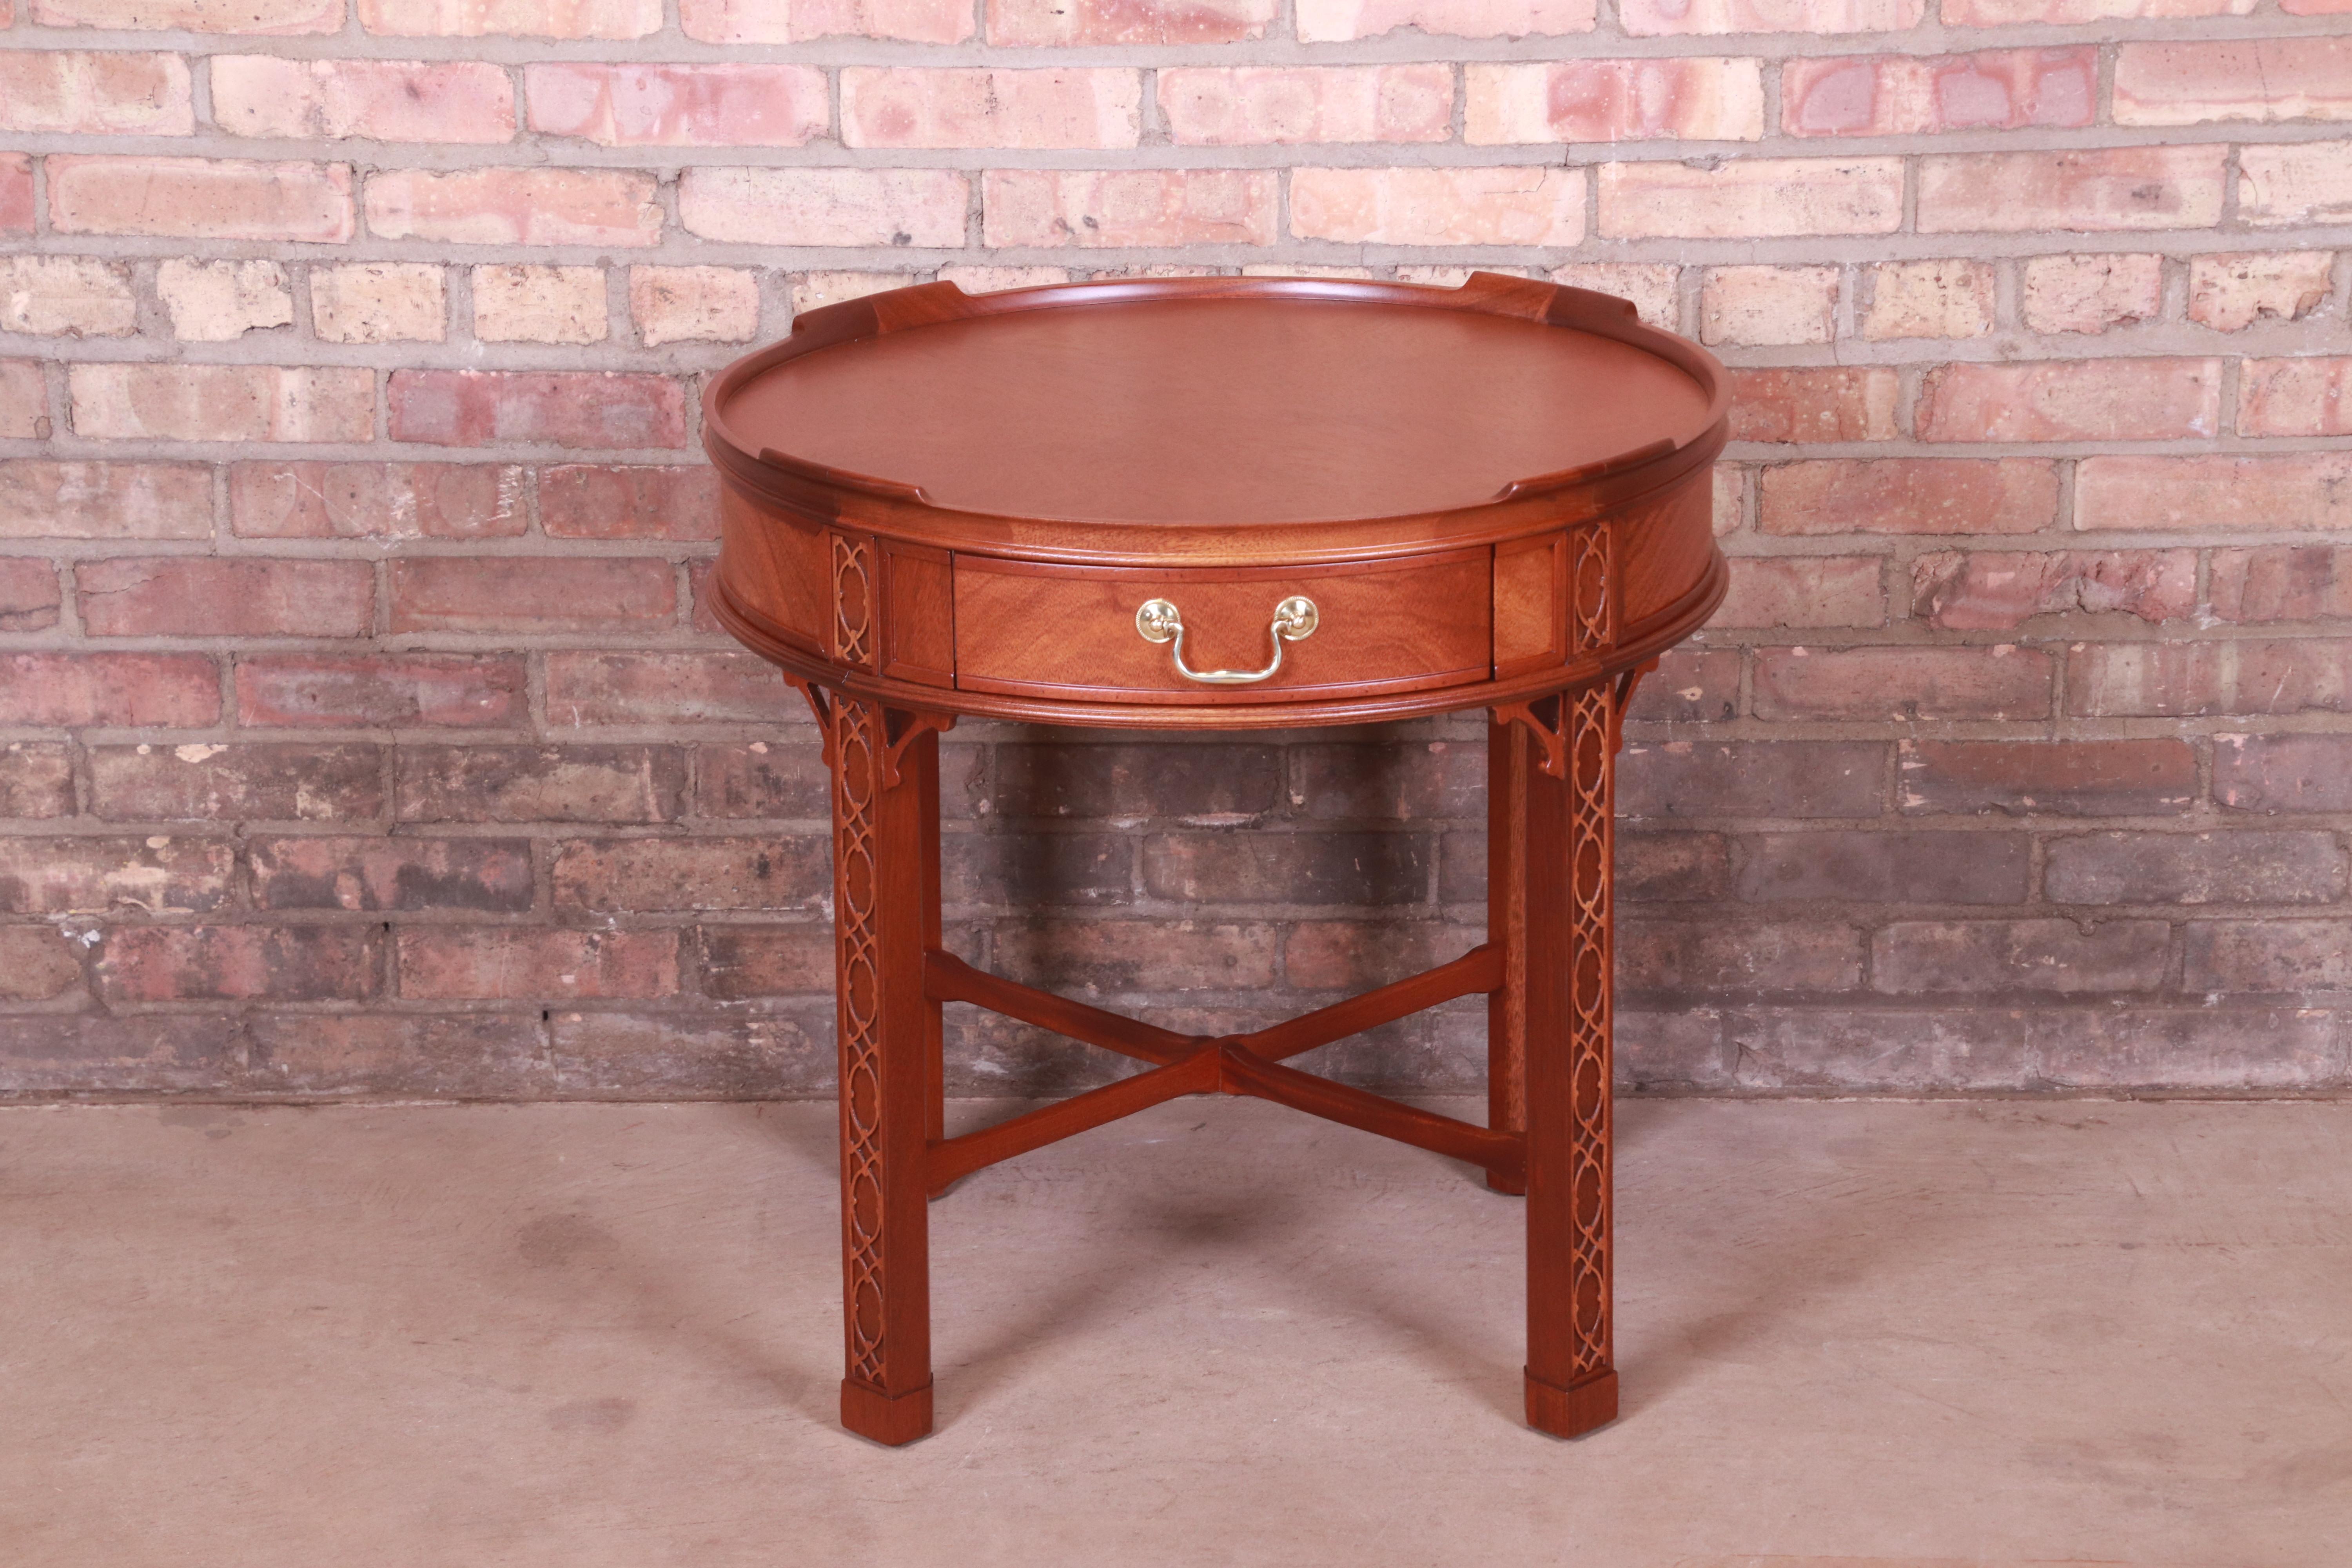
362,728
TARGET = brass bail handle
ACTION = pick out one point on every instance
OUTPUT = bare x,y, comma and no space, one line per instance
1294,621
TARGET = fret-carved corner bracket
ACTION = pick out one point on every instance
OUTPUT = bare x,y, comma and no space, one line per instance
1626,682
901,727
1546,719
820,703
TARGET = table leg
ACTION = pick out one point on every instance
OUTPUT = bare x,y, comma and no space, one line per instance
885,882
1507,745
1572,1380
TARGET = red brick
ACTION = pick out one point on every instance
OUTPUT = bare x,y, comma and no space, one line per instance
988,107
1903,868
2094,189
2089,293
76,93
30,598
533,19
452,690
266,17
164,690
1902,95
923,207
1752,198
646,105
1803,591
23,401
1129,207
2000,590
2266,79
231,964
1023,870
2048,778
1672,868
375,501
377,100
236,783
1337,21
1158,955
1312,869
1650,18
558,408
2230,293
1356,955
506,964
467,1055
2296,182
661,1055
1852,403
16,193
757,778
2281,583
797,21
1999,957
2190,679
1254,105
1690,688
1768,305
200,199
2292,957
1209,786
2271,773
2195,869
2072,400
156,876
666,689
48,1053
1942,683
742,964
2021,13
1020,24
1752,778
488,876
36,779
1407,782
766,873
1615,100
1951,299
515,206
222,402
1909,495
583,501
2296,398
539,784
530,593
36,964
180,595
2301,491
1517,204
1662,958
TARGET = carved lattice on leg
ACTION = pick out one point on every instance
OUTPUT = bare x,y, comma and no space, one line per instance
1591,830
857,768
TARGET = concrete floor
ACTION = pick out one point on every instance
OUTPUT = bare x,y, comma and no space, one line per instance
1219,1333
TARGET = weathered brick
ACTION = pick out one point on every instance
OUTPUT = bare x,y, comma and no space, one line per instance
1655,18
991,279
1848,402
636,875
694,304
2156,777
379,100
539,304
660,1056
2293,957
222,402
1752,778
1021,870
2281,583
1803,591
1999,590
2294,183
1752,198
2296,398
53,296
1408,781
1903,95
530,593
757,778
219,301
666,689
2091,190
1138,955
745,963
1356,955
586,501
1128,207
577,409
1689,688
1614,101
1512,205
2271,774
1312,869
242,783
2186,679
25,400
15,194
1650,285
1215,785
30,596
2022,13
1904,868
1675,958
369,691
988,107
655,105
2231,292
48,1053
200,199
2001,957
78,92
1929,300
487,876
470,1056
1672,868
2072,400
379,303
1031,23
538,783
2231,1049
815,290
2195,868
1768,305
374,501
181,596
1945,683
531,18
515,206
156,876
36,779
280,16
2089,293
1253,105
231,964
509,965
2267,79
1337,21
797,21
163,690
825,206
36,964
2303,491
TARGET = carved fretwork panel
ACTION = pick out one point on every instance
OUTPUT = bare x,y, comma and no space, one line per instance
857,765
1592,826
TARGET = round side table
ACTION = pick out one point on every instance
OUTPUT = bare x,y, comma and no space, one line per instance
1213,504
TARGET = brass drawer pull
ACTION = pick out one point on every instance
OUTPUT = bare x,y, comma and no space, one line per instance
1294,621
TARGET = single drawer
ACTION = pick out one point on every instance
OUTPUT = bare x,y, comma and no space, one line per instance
1025,629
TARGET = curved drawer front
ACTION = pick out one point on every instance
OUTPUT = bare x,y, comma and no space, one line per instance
1031,630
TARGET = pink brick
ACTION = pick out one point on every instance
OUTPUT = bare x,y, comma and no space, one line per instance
200,199
1803,591
74,93
1653,288
1945,683
720,688
561,408
1335,21
1909,495
503,964
30,598
16,193
520,304
678,105
2186,679
2314,8
376,690
228,964
379,303
2001,590
43,499
527,18
192,596
1254,105
1901,95
375,501
2283,186
1929,300
1615,100
2025,13
796,21
515,206
1752,198
1519,204
1849,402
24,400
815,290
55,876
2282,583
2266,79
579,501
531,593
2072,400
222,402
908,107
2102,189
2296,398
825,206
264,17
995,280
2089,293
380,101
57,690
1768,305
1027,23
1651,18
2230,293
701,304
2298,492
1129,207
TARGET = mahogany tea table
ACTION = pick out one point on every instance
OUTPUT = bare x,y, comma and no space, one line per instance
1222,503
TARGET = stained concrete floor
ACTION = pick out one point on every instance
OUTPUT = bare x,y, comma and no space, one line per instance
1219,1333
